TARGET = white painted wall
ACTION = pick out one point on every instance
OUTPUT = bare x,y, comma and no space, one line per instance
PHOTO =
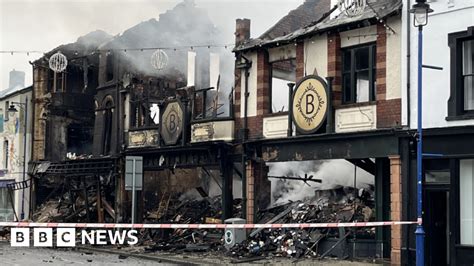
448,17
316,55
15,143
252,89
393,63
358,36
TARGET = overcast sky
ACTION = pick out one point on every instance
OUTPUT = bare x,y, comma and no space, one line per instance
45,24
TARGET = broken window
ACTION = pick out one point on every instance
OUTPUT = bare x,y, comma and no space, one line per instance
283,72
358,74
107,135
56,81
142,111
79,138
109,67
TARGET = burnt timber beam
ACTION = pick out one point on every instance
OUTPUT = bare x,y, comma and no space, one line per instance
365,164
330,146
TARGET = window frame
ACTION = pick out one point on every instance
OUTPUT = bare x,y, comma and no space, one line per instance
456,100
352,72
271,89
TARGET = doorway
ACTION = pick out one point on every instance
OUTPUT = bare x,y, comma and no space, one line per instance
437,226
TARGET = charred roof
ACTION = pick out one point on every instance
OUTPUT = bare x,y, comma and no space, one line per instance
374,11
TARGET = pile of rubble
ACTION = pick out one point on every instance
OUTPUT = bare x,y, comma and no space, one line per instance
203,211
77,201
343,204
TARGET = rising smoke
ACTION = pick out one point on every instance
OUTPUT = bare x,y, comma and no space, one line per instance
177,31
333,173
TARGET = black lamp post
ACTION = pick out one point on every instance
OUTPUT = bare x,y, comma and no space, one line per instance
420,11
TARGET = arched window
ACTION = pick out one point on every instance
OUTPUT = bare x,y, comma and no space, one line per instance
107,132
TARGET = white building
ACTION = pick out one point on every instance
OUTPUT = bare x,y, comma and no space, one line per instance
448,122
12,137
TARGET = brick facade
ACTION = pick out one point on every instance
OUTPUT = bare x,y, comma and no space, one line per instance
388,110
334,67
257,182
396,209
300,73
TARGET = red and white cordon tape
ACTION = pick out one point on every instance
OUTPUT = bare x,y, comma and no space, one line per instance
202,226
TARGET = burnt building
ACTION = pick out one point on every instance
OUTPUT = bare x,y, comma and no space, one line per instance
63,124
343,101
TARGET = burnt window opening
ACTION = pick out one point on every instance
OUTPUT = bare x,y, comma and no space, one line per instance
461,101
56,81
79,138
5,154
358,74
107,134
282,73
142,107
109,67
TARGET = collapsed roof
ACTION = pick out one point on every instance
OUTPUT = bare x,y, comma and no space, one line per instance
374,11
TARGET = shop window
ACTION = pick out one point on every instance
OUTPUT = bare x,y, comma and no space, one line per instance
358,74
461,102
6,211
283,72
466,201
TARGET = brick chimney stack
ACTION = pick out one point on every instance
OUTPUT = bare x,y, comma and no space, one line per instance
242,31
17,79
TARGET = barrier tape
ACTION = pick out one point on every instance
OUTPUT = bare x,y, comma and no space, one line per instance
203,226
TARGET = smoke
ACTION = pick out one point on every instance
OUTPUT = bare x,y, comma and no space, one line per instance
332,173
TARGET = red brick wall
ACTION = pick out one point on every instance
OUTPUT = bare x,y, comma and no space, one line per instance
334,66
299,61
263,83
388,111
395,209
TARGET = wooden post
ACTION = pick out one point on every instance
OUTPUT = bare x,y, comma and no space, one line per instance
100,210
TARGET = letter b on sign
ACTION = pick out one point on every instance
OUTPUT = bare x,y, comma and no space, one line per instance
43,237
20,237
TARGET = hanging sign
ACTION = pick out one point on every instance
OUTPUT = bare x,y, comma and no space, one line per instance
173,123
310,104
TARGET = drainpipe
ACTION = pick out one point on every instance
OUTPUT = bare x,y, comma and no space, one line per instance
246,67
408,61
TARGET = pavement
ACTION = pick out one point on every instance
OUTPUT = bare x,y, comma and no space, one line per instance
135,256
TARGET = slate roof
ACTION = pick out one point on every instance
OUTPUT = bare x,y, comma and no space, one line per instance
375,10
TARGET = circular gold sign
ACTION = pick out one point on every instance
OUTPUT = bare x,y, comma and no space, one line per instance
310,104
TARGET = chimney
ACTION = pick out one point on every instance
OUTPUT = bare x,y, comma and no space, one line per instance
17,79
242,31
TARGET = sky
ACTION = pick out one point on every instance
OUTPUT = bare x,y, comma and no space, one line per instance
42,25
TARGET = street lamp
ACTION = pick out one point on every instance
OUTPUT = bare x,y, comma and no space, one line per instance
11,111
420,11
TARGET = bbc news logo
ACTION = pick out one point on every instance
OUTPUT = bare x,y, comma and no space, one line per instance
66,237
